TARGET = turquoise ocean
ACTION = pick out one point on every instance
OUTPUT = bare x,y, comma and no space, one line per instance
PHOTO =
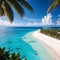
19,39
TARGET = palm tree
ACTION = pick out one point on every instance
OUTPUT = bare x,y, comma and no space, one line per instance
5,55
6,8
55,4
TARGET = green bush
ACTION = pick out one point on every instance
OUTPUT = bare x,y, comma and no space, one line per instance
51,32
4,55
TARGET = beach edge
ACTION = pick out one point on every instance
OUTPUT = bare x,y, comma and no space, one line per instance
51,43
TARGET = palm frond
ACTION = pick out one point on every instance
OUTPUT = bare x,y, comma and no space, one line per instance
7,10
18,56
25,4
1,12
18,7
53,6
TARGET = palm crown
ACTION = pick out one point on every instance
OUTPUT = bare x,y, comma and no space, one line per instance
55,4
6,8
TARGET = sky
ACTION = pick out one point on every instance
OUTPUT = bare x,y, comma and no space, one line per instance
38,18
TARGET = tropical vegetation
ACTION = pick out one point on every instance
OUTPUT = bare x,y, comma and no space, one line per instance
18,5
51,32
54,5
5,55
6,8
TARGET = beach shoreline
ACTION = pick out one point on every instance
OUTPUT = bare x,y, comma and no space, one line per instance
51,43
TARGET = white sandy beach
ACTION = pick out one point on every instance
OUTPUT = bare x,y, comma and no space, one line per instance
51,43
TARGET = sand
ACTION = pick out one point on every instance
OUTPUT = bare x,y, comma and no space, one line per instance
51,43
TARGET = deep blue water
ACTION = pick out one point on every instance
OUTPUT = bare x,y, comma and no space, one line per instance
11,39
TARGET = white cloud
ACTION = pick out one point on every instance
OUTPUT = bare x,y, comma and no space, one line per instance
47,20
31,19
25,18
33,24
7,23
58,21
58,15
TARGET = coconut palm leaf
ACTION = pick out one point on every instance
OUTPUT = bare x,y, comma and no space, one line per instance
54,5
18,7
25,4
4,54
5,8
8,11
1,12
13,56
18,56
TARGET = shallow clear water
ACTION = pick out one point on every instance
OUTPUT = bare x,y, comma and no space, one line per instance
21,40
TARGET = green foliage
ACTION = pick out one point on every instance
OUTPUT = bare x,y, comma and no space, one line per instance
4,55
54,5
7,11
51,32
18,5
